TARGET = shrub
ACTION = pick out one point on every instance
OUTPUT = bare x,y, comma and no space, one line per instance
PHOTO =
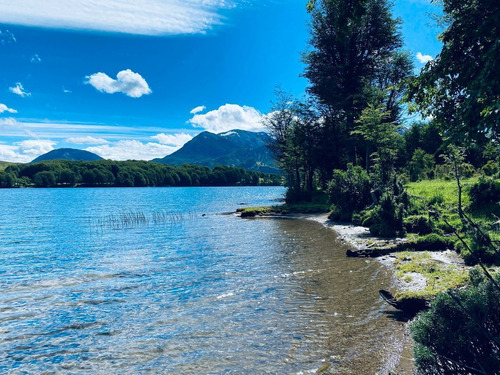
418,224
490,168
338,214
485,192
468,170
387,218
431,242
461,333
350,190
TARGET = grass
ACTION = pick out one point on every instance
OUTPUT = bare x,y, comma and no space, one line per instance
436,189
439,276
288,208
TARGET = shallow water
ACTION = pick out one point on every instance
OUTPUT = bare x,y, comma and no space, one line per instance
139,281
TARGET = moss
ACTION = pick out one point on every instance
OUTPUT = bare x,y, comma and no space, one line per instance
439,276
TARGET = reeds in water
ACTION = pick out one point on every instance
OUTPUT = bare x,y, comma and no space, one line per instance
132,219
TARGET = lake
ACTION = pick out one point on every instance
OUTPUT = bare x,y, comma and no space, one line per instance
163,280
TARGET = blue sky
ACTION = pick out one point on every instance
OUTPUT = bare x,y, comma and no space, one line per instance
132,81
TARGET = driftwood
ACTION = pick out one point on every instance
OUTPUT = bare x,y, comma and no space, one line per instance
410,306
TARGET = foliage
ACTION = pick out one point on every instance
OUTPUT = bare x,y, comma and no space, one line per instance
294,129
350,190
490,168
421,166
460,334
380,137
419,224
464,97
128,174
485,192
387,216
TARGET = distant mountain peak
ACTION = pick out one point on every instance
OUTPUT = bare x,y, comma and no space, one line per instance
240,148
68,154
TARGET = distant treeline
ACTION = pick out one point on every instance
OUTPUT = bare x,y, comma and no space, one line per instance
106,173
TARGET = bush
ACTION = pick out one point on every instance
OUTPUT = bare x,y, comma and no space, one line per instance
490,168
454,338
431,242
338,214
387,218
350,190
418,224
485,192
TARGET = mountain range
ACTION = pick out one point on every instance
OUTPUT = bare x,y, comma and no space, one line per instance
239,148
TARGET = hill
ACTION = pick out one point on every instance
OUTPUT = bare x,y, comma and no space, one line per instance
238,148
68,154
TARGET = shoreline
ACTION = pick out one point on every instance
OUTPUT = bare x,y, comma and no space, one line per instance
401,362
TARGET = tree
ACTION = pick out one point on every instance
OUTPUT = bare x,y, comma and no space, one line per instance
380,136
355,57
461,87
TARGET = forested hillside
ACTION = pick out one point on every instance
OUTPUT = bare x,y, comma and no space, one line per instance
65,173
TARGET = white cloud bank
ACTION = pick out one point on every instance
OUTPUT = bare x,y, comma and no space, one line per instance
145,17
87,140
4,108
424,59
18,89
25,151
132,150
127,82
228,117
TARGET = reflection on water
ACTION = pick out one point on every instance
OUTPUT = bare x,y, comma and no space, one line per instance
199,294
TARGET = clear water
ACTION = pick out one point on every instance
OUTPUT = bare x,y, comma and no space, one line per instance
158,280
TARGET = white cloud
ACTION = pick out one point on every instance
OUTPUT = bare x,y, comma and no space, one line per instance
132,150
87,140
145,17
424,59
228,117
67,91
173,139
4,108
35,59
198,109
25,151
127,82
18,89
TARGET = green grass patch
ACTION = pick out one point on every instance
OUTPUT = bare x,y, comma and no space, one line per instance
439,276
440,191
288,208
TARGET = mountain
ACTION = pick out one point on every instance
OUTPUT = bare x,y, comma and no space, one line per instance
68,154
239,148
